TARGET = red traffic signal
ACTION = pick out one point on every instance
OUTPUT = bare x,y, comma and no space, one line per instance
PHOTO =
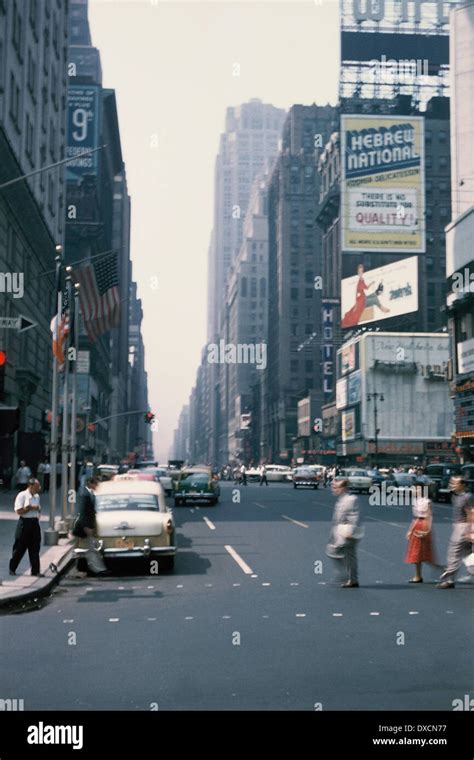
3,358
149,417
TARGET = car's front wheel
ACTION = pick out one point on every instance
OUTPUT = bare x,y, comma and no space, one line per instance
315,486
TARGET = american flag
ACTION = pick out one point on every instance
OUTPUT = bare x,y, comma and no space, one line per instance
60,327
99,295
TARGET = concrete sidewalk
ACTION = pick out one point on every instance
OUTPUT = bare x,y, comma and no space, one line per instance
25,586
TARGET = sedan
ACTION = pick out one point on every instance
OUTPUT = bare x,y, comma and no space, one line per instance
359,480
278,473
133,521
196,485
305,477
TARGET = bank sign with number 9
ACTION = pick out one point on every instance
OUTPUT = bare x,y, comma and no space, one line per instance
83,131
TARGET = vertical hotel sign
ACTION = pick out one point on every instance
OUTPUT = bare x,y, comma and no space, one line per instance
383,193
328,320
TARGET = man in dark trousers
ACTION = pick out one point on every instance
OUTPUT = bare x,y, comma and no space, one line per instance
28,532
87,526
462,536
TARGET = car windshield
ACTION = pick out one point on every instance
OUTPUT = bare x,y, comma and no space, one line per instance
195,477
304,471
356,473
127,501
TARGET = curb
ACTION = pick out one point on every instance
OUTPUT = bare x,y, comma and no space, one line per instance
21,595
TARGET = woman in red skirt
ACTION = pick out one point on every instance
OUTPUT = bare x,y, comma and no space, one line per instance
420,547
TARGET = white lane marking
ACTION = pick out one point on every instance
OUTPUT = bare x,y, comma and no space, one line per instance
262,506
151,620
236,584
321,583
68,621
189,618
266,616
294,584
209,524
266,584
91,588
254,576
449,612
301,614
337,614
413,612
114,620
374,613
296,522
394,525
379,581
243,565
225,617
180,585
208,585
150,587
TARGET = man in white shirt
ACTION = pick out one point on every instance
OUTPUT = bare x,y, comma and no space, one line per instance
23,474
28,532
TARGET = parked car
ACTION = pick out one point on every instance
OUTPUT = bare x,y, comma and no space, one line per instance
304,477
133,521
278,473
135,475
359,480
441,474
142,465
196,485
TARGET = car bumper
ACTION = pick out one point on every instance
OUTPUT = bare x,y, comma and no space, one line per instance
196,496
306,482
135,551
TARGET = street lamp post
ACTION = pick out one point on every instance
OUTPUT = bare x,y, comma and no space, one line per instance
376,397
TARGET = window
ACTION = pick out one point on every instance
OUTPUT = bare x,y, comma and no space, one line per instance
243,287
442,136
308,366
428,162
263,287
29,139
308,293
294,294
31,75
294,366
17,29
443,162
428,136
14,101
51,193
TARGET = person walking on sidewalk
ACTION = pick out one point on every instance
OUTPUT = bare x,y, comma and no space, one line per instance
346,530
28,532
419,536
85,526
462,536
23,474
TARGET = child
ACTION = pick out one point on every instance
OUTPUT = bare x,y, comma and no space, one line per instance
419,535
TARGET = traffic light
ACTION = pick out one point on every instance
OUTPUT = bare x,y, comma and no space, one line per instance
149,417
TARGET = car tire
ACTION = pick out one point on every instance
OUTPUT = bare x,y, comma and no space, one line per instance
294,485
177,502
315,487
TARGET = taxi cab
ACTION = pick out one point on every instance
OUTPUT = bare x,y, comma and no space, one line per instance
133,521
196,484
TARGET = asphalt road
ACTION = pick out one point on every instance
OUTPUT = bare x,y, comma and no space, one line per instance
252,618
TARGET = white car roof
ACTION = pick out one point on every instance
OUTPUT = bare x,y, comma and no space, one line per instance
129,486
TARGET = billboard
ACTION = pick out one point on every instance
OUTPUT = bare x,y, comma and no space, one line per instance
382,187
380,293
341,393
466,356
348,359
83,131
348,425
354,388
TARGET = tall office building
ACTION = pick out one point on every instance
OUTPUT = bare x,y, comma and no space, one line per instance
33,74
460,232
294,341
249,143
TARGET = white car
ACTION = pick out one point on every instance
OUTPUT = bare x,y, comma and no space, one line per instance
133,521
359,480
278,473
253,473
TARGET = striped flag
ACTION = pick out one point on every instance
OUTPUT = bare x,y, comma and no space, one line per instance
99,295
60,327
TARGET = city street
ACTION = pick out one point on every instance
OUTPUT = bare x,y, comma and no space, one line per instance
246,621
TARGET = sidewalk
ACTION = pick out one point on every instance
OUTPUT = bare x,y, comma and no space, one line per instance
24,586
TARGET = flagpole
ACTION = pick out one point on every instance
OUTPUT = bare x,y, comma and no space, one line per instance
75,338
51,535
64,441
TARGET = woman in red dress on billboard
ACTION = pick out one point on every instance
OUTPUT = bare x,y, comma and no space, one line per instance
351,317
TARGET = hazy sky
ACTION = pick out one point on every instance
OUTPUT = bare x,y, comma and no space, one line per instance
171,65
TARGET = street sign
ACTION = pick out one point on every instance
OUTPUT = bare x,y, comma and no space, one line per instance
20,323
